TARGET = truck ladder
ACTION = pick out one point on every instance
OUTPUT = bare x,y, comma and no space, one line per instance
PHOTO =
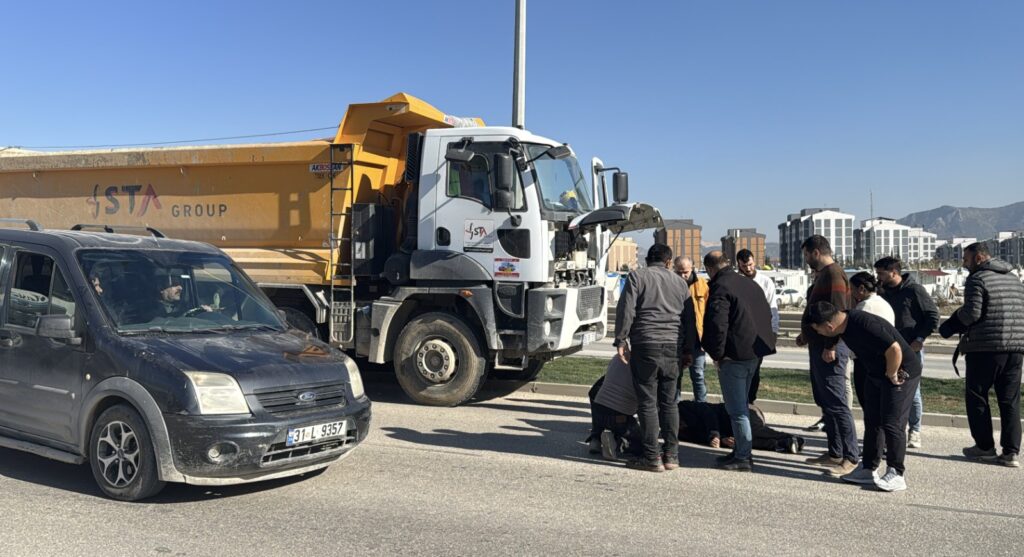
342,316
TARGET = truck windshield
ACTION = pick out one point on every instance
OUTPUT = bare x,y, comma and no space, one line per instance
562,187
175,292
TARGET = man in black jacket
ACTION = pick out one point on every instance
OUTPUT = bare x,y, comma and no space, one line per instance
737,333
916,319
991,322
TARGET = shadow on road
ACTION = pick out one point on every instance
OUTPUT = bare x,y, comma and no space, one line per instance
29,468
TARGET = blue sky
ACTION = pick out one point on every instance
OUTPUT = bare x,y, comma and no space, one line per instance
730,113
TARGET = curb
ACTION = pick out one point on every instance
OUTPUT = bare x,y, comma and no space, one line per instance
768,406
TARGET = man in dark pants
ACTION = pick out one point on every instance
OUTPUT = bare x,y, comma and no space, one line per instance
828,361
737,334
916,319
893,372
991,323
709,424
655,334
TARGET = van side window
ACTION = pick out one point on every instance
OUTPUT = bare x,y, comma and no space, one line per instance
31,296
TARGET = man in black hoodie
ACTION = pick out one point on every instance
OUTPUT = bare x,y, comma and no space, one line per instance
737,333
991,323
916,319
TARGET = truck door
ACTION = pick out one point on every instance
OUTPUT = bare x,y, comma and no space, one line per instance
45,375
466,219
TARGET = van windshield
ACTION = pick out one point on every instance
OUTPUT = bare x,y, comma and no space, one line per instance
175,292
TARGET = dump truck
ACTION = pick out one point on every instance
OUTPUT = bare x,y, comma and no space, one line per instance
454,250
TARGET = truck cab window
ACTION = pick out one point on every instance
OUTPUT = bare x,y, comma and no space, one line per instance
38,289
474,180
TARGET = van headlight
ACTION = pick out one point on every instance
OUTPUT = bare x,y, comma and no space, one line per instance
354,378
217,393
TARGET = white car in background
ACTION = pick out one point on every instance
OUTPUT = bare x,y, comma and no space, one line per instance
790,297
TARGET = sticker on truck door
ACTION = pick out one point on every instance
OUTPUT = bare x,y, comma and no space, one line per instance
478,236
506,267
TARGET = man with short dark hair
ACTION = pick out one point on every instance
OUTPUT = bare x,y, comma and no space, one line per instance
991,325
916,319
828,361
655,335
737,334
893,372
747,267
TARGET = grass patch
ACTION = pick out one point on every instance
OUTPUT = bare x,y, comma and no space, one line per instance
941,396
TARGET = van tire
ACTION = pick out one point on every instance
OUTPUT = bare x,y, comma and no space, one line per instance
456,360
118,475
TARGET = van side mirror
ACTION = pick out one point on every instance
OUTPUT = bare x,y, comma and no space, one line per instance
503,180
58,327
620,187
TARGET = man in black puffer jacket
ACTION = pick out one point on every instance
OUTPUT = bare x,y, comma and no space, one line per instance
992,325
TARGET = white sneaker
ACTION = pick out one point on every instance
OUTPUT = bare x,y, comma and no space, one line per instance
914,440
609,445
861,476
891,481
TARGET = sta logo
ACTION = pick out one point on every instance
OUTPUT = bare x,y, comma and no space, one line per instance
112,196
474,232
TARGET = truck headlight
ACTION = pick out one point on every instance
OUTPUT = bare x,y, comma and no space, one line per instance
217,393
354,378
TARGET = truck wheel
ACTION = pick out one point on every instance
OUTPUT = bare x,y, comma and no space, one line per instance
297,319
438,360
527,374
121,455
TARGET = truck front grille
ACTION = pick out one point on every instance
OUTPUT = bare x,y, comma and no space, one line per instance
590,302
291,399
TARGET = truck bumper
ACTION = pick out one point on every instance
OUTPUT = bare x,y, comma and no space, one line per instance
565,319
254,448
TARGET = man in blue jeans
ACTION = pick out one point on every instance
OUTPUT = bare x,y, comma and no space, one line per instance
737,334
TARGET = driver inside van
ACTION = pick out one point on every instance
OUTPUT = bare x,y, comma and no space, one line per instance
169,303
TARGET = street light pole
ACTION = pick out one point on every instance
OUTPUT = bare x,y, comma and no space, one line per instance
519,68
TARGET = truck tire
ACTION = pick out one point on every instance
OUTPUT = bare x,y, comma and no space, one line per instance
438,360
121,455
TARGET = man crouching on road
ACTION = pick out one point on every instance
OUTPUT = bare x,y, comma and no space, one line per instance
737,334
654,334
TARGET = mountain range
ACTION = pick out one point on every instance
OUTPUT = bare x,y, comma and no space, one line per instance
968,222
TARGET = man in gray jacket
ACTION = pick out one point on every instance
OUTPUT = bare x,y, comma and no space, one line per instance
655,331
991,322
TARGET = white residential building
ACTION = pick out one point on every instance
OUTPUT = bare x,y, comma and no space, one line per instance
922,245
834,225
884,237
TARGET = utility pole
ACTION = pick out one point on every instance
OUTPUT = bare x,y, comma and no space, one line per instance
519,68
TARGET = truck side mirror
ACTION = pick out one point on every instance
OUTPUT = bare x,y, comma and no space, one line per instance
503,177
459,155
59,327
620,187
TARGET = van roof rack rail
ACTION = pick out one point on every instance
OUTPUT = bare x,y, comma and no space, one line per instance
110,229
31,224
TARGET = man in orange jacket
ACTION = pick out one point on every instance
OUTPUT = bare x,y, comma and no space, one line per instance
683,267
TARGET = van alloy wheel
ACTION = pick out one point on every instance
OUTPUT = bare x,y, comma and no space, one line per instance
117,451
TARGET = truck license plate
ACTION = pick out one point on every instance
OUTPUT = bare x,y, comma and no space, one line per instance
589,338
315,433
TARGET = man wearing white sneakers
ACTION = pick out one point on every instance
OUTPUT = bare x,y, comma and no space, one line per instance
893,373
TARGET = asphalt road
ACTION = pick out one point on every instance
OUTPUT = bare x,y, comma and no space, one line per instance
511,476
938,366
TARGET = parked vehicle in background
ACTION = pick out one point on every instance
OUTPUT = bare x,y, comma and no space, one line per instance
790,297
158,360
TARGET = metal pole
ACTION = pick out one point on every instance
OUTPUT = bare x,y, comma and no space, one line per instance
519,68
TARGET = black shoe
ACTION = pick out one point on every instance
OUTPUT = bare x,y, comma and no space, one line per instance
737,465
722,459
645,465
670,462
